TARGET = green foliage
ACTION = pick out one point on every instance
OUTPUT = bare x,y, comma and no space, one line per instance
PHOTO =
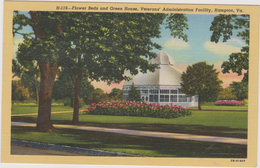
109,43
227,94
49,45
64,87
105,45
208,103
116,94
67,101
237,63
98,95
178,24
202,80
29,73
134,94
19,92
245,102
223,26
240,89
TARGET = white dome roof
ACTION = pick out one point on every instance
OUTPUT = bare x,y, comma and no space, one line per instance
166,74
162,58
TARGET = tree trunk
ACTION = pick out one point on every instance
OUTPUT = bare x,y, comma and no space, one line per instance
37,31
77,90
48,74
36,91
199,107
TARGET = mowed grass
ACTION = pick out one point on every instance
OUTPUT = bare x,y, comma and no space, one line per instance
141,146
221,107
33,108
214,123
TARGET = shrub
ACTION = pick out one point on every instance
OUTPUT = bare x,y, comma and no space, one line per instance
228,103
245,102
208,103
143,109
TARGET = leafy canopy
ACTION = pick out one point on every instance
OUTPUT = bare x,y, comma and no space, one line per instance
109,43
223,26
240,89
201,79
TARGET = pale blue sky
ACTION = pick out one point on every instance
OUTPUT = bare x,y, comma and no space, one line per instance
199,48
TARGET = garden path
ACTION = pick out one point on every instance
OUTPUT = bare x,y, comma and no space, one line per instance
148,133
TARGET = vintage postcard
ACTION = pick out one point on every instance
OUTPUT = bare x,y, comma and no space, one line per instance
141,84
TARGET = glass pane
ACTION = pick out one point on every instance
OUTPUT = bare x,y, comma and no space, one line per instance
173,91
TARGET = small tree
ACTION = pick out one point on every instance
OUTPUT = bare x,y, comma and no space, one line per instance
19,92
116,94
202,80
227,94
134,94
98,95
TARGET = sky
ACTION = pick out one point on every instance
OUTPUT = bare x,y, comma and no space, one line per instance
197,49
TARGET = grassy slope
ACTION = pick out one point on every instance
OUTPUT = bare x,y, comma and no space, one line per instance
144,146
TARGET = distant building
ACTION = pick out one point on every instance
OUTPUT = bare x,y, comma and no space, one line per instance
162,86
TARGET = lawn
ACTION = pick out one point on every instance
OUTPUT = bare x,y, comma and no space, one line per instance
33,108
141,146
215,123
212,123
221,107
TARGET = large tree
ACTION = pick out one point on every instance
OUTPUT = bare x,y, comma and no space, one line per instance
223,27
45,44
102,44
107,44
201,79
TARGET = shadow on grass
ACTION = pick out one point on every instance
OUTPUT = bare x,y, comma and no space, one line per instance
185,129
144,146
24,119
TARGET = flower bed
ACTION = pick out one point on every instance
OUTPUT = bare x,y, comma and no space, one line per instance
228,103
143,109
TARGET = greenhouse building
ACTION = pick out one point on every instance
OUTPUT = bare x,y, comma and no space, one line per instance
162,86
